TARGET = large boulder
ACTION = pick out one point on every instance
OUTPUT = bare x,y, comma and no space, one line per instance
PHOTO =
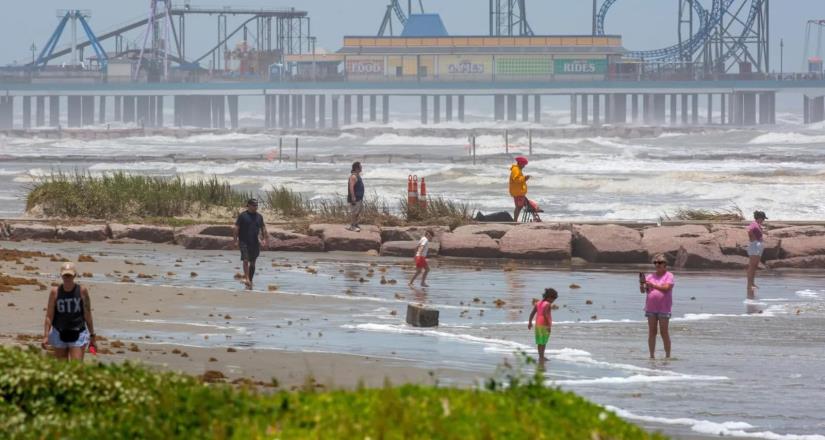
609,244
407,233
149,233
338,238
32,231
668,239
733,240
206,242
420,316
492,230
800,241
208,230
283,234
83,233
469,245
706,254
811,262
529,242
797,231
406,248
299,244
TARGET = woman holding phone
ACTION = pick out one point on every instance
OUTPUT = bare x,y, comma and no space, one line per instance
658,287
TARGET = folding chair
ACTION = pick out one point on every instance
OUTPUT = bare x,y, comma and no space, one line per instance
530,212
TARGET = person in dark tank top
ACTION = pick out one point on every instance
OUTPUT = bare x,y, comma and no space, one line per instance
355,196
69,327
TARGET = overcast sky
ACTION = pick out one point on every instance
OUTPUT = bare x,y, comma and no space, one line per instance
644,24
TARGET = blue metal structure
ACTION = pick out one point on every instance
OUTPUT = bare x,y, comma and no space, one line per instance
50,45
424,25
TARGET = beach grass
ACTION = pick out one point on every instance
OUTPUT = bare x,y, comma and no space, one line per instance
44,398
121,195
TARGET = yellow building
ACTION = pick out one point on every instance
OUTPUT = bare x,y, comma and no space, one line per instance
479,58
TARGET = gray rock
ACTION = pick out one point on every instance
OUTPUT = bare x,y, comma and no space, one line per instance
420,316
338,238
469,245
149,233
406,248
31,231
83,233
529,242
206,242
609,244
492,230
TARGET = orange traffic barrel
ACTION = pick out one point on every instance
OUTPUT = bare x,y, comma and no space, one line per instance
422,199
412,190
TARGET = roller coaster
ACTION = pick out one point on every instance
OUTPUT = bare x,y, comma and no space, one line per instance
729,33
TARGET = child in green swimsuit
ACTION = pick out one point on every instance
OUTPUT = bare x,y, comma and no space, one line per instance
544,320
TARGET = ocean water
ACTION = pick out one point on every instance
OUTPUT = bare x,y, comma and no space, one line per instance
778,170
750,369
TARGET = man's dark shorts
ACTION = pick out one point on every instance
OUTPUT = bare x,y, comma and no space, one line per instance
249,253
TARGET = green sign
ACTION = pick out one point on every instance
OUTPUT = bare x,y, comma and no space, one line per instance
580,67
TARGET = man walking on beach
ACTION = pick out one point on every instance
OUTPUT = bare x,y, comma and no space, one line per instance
249,231
355,196
518,185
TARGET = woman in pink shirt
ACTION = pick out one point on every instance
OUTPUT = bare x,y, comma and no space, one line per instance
755,248
659,289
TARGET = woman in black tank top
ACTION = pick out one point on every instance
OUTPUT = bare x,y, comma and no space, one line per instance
69,327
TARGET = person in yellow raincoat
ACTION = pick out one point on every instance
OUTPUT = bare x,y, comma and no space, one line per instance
518,185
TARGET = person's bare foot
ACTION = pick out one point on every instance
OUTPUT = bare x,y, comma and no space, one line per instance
410,284
247,283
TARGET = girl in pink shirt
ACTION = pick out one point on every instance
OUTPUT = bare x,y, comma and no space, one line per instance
544,321
659,290
755,249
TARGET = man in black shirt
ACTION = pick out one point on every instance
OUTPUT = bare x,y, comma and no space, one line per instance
248,228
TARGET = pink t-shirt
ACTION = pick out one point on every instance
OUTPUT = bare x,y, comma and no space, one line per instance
540,307
659,301
756,230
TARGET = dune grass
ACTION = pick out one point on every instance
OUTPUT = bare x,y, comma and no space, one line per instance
43,398
727,214
121,195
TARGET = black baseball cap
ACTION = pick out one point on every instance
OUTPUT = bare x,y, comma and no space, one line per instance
759,214
253,202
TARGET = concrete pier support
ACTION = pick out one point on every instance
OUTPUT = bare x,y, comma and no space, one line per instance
142,111
129,113
574,109
647,110
385,109
270,113
817,109
87,110
101,110
6,112
299,111
525,108
295,111
309,111
448,110
511,107
619,110
767,108
336,99
27,112
40,111
659,106
436,109
585,109
283,111
74,109
674,105
608,108
322,111
597,110
498,107
54,111
359,104
536,108
119,108
347,109
694,109
723,108
158,121
738,113
373,108
749,108
232,101
460,108
710,108
634,108
424,115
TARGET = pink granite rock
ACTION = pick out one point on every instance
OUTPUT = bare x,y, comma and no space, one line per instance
609,244
338,238
32,231
527,242
149,233
469,245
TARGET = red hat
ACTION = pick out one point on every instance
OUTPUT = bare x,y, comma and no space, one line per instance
521,160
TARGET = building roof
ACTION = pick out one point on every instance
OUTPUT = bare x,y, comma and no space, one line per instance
424,25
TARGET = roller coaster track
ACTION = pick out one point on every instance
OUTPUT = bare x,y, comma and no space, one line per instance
709,22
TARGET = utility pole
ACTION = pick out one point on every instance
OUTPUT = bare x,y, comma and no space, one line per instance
781,57
594,15
33,48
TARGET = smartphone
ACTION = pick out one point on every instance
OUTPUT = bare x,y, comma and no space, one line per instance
642,281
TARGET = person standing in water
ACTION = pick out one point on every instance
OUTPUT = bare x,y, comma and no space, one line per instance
248,232
69,327
518,185
755,249
659,289
544,321
355,196
421,264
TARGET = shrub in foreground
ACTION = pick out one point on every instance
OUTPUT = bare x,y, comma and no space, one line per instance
42,398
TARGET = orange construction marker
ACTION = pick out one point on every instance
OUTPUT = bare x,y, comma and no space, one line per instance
422,199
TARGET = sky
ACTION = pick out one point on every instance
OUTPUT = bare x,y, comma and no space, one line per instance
643,24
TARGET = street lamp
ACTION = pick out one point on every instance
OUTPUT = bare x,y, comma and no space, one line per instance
33,48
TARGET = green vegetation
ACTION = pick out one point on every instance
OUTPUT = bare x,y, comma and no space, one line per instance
120,195
43,398
729,214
